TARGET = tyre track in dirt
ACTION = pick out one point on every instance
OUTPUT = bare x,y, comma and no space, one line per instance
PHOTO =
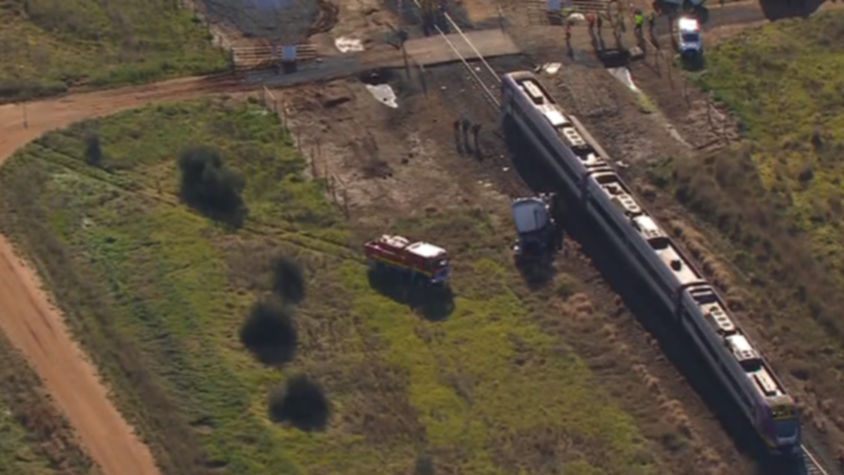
28,317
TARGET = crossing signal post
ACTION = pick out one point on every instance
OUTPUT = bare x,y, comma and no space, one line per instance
402,40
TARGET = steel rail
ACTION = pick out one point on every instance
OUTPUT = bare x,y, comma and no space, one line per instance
465,38
813,466
487,92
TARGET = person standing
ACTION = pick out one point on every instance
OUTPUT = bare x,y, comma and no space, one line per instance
640,19
651,23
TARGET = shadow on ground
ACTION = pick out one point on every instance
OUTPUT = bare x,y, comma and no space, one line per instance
535,274
781,9
434,303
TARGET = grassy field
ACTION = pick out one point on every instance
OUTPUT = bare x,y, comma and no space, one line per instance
776,197
50,45
157,294
34,438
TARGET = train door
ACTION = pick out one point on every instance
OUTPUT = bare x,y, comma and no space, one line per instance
584,190
507,97
679,309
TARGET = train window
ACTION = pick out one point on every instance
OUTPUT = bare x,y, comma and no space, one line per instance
534,92
783,412
556,118
659,243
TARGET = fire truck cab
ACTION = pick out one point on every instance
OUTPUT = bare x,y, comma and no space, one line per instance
415,261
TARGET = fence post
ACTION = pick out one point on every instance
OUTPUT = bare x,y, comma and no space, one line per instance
333,189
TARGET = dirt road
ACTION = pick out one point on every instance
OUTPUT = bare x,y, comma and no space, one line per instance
35,326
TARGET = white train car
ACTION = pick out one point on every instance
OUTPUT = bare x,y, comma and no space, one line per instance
695,305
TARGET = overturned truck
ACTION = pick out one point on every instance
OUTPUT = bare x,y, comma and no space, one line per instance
539,235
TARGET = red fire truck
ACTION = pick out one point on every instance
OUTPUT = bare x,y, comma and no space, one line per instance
413,260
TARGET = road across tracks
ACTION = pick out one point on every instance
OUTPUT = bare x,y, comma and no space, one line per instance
430,51
438,50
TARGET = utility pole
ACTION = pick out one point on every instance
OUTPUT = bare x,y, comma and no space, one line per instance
23,103
403,38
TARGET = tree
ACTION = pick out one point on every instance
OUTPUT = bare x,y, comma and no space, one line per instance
93,151
269,332
288,280
209,187
302,402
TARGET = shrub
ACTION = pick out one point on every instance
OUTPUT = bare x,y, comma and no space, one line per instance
288,280
726,191
302,402
93,152
269,332
210,187
424,465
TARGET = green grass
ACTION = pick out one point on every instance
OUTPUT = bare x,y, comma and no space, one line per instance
786,81
50,45
776,197
157,294
16,453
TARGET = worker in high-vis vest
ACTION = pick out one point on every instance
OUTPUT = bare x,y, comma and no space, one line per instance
640,19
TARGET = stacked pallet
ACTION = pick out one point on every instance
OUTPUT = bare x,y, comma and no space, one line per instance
265,55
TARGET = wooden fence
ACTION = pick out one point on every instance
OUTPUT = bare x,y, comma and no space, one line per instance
265,56
335,187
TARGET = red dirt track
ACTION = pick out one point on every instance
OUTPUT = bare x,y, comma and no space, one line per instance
34,325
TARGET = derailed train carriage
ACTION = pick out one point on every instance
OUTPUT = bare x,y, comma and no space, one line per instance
695,305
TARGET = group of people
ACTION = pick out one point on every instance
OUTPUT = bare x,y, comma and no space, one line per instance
595,20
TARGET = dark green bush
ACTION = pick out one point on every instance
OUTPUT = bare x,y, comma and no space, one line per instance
302,402
269,332
209,187
93,151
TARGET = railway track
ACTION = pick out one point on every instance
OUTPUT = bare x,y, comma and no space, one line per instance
485,81
811,464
